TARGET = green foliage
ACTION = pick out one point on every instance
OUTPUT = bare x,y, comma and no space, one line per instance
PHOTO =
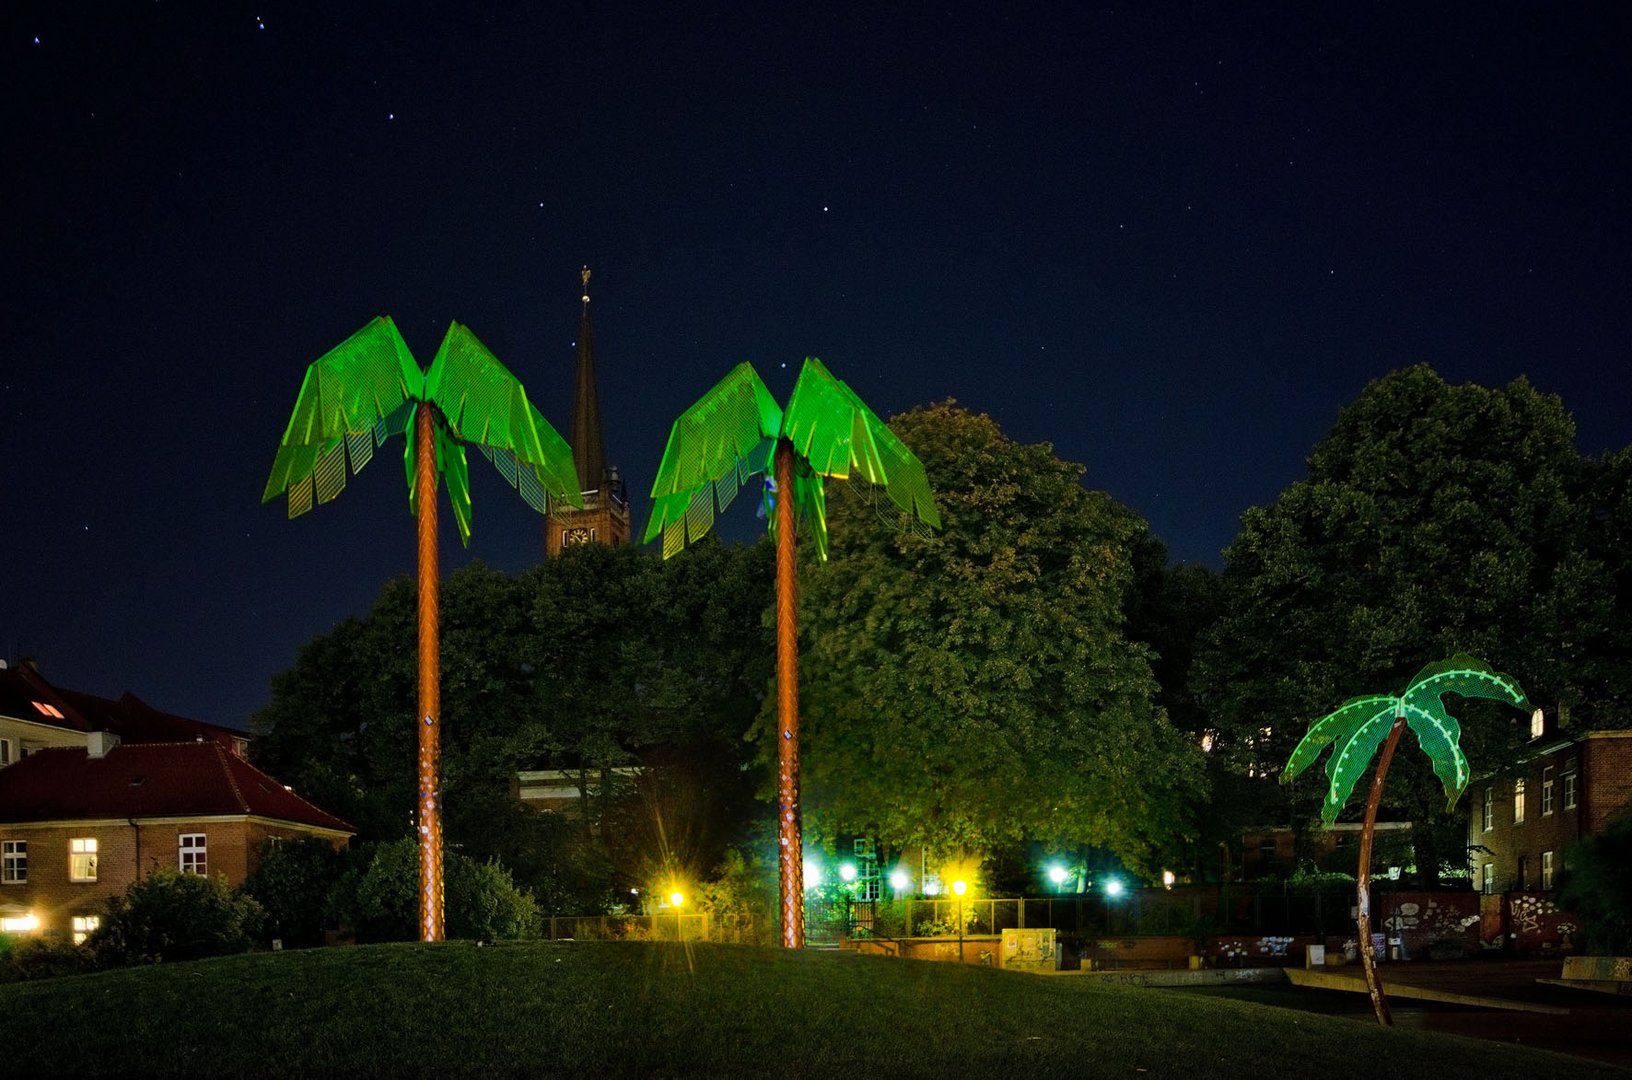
974,688
291,883
595,659
168,915
1434,519
741,901
43,958
1596,887
378,897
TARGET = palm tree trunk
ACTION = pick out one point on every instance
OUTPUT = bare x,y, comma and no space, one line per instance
430,679
790,843
1368,961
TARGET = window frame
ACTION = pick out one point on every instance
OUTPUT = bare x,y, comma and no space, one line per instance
83,848
1547,791
1487,885
83,926
14,862
193,858
5,752
1489,810
1572,784
1546,869
1518,801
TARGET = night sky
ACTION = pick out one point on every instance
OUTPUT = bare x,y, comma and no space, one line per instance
1172,240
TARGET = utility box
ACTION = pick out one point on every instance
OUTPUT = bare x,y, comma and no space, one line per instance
1028,950
1314,956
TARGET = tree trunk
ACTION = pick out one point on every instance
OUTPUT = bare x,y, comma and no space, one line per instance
1368,960
430,679
790,842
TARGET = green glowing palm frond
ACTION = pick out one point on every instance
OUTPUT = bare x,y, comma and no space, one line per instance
714,447
837,434
1357,728
1438,732
352,399
484,404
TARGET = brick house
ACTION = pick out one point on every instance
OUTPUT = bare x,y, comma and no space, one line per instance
1570,787
81,824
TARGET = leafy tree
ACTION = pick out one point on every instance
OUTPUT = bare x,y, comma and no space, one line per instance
168,915
291,883
1434,519
975,688
378,897
1596,887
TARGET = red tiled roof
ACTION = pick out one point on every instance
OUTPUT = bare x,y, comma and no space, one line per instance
129,717
145,780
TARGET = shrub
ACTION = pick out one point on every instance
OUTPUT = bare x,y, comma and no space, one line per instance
173,916
380,899
291,883
740,902
1597,888
44,958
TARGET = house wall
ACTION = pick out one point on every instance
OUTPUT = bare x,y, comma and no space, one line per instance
22,735
1601,761
233,846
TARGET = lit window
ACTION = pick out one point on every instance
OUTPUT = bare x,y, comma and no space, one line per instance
192,853
19,924
1489,815
1569,790
82,858
1490,879
1547,791
48,710
1546,869
1538,724
13,861
1518,802
84,926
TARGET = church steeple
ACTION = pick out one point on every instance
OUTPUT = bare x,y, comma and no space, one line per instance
605,516
588,450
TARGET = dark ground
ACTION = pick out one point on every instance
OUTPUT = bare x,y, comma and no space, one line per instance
1599,1026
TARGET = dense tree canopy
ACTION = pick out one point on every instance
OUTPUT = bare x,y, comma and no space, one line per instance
1434,519
973,687
595,659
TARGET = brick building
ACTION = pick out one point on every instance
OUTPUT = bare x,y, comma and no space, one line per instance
81,824
1522,828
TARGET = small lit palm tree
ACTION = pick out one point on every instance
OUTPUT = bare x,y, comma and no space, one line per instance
734,431
1354,732
353,399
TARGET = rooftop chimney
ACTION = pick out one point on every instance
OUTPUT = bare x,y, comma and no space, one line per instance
98,743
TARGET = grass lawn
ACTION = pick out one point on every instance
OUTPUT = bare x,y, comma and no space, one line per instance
633,1009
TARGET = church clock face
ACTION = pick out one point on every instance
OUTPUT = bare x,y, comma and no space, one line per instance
575,536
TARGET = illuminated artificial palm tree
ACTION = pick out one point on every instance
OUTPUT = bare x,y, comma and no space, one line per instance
734,431
368,389
1355,730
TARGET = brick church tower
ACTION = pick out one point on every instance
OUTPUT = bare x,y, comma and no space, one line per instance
605,516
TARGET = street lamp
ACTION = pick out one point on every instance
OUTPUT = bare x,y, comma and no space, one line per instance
1113,888
960,887
813,875
1057,874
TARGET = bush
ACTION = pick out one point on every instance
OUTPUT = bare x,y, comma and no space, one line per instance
173,916
1597,889
44,958
741,902
291,883
380,898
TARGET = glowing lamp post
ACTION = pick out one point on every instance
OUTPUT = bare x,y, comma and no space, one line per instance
960,887
1057,874
1113,889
